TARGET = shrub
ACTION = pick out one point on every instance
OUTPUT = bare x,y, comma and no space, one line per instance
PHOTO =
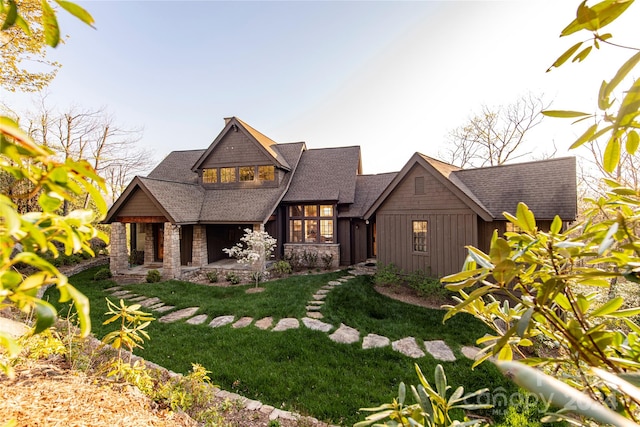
103,274
281,268
212,276
427,286
294,260
388,274
153,276
136,257
310,258
232,278
327,260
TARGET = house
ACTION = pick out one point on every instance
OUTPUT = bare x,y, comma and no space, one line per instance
197,202
432,210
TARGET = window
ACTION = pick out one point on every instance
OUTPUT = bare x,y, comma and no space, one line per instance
420,243
311,224
210,176
227,174
247,173
266,173
296,230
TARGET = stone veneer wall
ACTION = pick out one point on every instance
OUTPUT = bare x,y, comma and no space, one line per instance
200,257
321,249
149,247
171,260
119,259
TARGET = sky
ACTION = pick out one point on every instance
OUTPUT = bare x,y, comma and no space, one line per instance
392,77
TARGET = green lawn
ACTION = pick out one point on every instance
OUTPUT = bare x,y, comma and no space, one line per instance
299,370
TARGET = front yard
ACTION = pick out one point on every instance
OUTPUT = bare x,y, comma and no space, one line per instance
301,369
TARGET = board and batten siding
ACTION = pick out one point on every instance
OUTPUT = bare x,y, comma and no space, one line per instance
139,204
451,225
236,149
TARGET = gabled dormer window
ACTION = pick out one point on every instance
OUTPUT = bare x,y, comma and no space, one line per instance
266,173
247,173
210,176
228,174
231,174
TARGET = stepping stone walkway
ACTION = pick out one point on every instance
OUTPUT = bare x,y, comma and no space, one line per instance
440,350
287,323
221,321
375,341
197,320
316,324
264,323
408,346
179,315
243,322
345,335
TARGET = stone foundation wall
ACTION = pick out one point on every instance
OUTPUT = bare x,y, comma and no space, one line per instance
119,259
321,249
171,260
149,249
200,257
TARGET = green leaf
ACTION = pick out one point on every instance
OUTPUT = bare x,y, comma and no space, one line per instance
505,271
441,381
632,142
566,55
76,11
12,15
564,114
402,393
611,154
50,201
603,97
500,250
587,136
22,24
561,394
556,225
629,312
622,73
583,54
523,322
526,219
45,315
50,25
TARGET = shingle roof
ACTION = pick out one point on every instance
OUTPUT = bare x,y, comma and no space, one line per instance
265,143
548,187
326,174
177,198
368,189
177,167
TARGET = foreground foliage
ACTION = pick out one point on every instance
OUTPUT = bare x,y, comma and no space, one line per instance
26,238
594,373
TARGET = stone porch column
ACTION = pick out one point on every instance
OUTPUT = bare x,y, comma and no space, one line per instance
171,261
200,257
118,256
149,247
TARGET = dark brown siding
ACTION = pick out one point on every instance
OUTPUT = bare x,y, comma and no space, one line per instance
485,232
344,238
139,204
359,241
236,149
451,226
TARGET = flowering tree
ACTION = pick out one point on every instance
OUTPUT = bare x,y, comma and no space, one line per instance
255,248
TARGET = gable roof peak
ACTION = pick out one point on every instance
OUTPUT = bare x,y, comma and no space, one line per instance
234,124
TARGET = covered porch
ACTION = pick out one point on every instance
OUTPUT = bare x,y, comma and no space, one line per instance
176,251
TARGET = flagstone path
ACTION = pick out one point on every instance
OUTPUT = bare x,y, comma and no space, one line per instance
343,334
